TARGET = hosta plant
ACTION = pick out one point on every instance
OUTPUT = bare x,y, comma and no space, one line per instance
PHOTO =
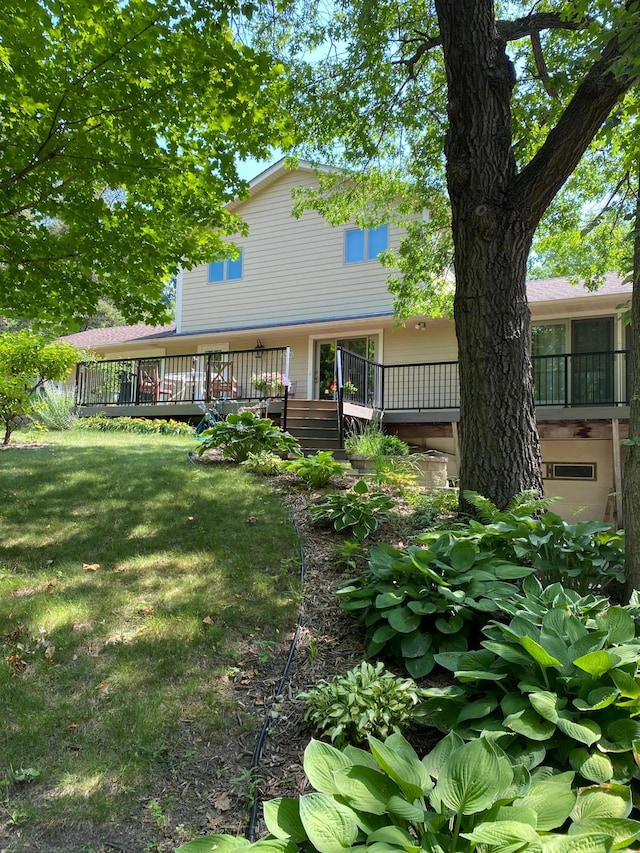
416,602
586,556
357,511
316,470
264,463
367,700
241,434
460,798
564,688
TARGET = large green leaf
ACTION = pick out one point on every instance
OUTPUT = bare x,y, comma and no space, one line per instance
282,817
463,555
219,843
577,844
538,653
551,798
546,704
618,624
597,699
403,620
596,663
628,686
500,833
623,831
471,780
530,724
620,736
603,802
479,709
365,789
591,765
396,836
397,758
330,826
582,730
320,762
419,667
415,645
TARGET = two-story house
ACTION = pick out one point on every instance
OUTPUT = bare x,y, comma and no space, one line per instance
302,320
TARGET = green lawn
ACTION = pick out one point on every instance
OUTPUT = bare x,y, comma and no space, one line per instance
131,580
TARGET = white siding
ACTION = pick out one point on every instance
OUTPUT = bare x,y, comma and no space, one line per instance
293,271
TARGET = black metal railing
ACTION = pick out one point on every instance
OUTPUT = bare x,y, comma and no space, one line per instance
580,379
202,378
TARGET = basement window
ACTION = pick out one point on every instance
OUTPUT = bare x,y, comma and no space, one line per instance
571,471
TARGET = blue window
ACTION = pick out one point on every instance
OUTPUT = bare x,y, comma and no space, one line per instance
227,270
365,245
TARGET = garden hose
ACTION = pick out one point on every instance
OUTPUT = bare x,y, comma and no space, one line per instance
257,753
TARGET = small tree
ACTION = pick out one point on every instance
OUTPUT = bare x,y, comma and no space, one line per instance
27,361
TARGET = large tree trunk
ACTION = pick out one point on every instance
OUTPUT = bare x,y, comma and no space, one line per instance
631,499
500,453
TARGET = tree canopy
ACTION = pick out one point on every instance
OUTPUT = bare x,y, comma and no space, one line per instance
485,118
122,124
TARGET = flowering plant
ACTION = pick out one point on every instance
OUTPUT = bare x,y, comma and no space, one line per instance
348,387
269,383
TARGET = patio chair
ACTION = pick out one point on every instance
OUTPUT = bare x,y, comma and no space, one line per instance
222,382
151,388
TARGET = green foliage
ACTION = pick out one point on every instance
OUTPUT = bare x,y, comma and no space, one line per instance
373,442
416,602
529,502
357,510
241,434
144,426
365,701
27,361
588,555
316,470
438,508
561,680
264,463
56,409
459,797
126,120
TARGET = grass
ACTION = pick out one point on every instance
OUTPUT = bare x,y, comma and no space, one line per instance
131,581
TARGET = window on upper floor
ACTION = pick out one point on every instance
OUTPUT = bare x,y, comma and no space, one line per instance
365,245
226,270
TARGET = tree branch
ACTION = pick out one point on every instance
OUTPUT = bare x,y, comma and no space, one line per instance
536,186
531,25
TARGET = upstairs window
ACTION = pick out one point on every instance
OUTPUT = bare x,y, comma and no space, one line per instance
226,270
365,245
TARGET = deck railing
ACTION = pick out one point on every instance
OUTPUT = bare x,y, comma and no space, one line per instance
200,378
568,380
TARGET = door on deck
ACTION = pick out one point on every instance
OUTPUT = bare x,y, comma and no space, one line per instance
325,372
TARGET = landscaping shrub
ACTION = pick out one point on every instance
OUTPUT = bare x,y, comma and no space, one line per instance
438,508
358,510
460,797
365,701
586,556
264,463
416,602
243,433
55,409
144,426
563,685
373,442
316,470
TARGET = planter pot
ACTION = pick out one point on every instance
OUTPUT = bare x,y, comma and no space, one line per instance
362,464
431,469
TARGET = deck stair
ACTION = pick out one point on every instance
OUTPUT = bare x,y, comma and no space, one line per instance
314,423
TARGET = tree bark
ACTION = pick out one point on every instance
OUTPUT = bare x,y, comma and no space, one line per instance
495,212
631,500
500,451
